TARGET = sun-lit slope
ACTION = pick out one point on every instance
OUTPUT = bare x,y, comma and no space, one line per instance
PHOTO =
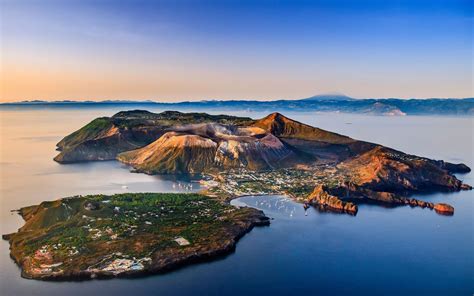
206,147
97,128
105,137
385,169
324,145
267,152
173,153
282,126
85,144
388,176
250,147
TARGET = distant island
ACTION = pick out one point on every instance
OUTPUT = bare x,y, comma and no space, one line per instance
320,103
134,234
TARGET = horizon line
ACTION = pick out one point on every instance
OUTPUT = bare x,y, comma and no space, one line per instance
165,101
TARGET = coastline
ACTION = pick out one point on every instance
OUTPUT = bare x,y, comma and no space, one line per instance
161,261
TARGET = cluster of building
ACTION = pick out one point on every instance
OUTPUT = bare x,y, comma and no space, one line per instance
123,264
293,182
42,261
124,222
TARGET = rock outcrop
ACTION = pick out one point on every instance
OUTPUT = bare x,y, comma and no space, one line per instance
321,197
385,169
444,209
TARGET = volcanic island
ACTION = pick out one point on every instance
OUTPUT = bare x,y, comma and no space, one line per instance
133,234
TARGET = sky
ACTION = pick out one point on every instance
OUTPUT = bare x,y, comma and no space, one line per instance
260,50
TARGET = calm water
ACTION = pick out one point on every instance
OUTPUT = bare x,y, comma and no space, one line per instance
379,251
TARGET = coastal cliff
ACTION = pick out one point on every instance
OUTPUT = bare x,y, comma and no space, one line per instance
125,235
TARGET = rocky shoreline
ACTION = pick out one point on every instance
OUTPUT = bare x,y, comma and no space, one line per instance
50,264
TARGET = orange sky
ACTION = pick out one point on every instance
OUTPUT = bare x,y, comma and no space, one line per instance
87,51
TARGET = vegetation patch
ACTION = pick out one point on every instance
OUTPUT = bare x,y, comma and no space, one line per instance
125,234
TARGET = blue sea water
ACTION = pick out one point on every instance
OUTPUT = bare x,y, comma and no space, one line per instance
381,251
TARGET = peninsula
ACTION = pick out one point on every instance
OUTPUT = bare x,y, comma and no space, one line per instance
124,235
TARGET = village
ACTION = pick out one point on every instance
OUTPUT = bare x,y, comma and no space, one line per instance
101,225
294,182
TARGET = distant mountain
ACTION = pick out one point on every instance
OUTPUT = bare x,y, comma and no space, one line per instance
319,103
329,97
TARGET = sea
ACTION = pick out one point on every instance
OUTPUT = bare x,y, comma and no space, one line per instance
380,251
